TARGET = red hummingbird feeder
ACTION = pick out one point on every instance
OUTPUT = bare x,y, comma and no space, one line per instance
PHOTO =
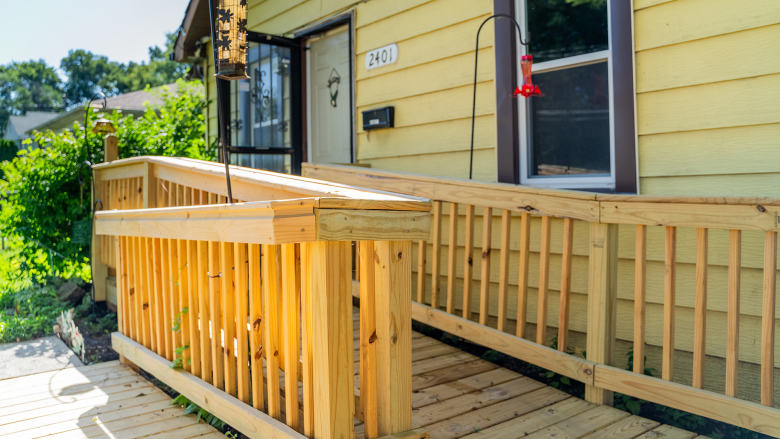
527,89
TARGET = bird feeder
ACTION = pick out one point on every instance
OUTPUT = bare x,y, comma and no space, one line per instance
527,89
230,41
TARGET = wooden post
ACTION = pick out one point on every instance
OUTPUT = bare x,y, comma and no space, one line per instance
331,287
111,145
602,303
393,313
368,357
99,268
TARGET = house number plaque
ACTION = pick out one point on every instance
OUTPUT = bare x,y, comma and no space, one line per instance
382,56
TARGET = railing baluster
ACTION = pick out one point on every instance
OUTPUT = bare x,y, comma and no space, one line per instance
166,285
193,304
421,274
121,285
732,339
173,292
271,343
307,341
468,263
228,315
146,312
640,298
135,289
368,360
242,315
157,303
215,312
184,303
670,258
700,308
503,273
484,286
291,310
436,269
566,261
522,282
544,280
452,252
204,314
256,326
768,320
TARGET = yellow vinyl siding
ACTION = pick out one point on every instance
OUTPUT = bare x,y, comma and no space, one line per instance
429,86
708,83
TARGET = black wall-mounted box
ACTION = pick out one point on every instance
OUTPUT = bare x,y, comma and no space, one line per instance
379,118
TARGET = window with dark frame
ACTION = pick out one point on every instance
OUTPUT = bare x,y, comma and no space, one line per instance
580,134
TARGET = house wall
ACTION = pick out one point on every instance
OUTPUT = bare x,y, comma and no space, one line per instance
430,86
708,86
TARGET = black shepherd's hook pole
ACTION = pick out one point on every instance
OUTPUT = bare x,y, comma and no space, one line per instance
222,117
476,59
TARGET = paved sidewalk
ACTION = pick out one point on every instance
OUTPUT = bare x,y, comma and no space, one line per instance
35,356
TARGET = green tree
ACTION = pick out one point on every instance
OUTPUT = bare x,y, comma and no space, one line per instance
29,85
43,196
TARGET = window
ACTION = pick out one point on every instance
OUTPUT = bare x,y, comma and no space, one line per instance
566,137
264,116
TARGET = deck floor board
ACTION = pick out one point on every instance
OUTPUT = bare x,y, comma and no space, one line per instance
99,401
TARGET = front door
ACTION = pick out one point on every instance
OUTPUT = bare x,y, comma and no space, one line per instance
330,99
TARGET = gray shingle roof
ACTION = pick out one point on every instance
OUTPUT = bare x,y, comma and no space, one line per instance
32,119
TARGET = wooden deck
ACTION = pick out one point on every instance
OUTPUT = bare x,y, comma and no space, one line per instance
107,400
458,395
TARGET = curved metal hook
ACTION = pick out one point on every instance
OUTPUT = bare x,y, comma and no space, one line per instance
476,63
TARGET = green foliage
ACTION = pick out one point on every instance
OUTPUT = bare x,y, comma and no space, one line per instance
28,85
177,320
191,407
178,361
43,197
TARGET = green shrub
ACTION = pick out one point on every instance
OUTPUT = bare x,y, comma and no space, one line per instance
43,196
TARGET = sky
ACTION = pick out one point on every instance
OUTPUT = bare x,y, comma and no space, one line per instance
122,30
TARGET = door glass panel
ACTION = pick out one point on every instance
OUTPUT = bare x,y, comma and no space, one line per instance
569,127
563,28
260,109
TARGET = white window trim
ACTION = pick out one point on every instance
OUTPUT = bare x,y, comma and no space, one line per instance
568,182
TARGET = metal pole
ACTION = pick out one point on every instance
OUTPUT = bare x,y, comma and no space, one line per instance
223,104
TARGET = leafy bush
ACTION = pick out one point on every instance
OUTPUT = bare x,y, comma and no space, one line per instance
43,195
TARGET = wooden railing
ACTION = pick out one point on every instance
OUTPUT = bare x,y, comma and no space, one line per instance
579,226
253,298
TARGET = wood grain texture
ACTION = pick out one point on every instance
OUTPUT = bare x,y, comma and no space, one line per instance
215,308
503,275
351,225
468,262
732,337
670,302
421,261
368,335
291,328
484,289
602,303
640,297
522,282
228,296
563,316
452,251
700,325
271,336
436,256
307,342
768,320
332,330
205,314
544,280
256,325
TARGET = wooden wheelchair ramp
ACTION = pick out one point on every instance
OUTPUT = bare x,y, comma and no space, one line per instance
107,400
458,395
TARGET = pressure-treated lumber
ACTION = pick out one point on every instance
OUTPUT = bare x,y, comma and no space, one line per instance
484,288
452,251
602,303
436,257
256,325
544,280
249,421
700,308
368,338
723,408
640,292
271,336
421,248
670,302
503,272
522,282
307,341
417,433
228,315
393,291
240,260
566,261
205,314
468,263
215,308
732,337
291,311
332,330
542,356
768,320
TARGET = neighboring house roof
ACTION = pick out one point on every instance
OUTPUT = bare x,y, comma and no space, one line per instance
19,125
130,103
194,26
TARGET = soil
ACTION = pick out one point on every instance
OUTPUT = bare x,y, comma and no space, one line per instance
97,344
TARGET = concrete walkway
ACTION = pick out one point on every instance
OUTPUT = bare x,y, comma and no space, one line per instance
35,356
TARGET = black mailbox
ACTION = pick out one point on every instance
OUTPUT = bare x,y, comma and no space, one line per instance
379,118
